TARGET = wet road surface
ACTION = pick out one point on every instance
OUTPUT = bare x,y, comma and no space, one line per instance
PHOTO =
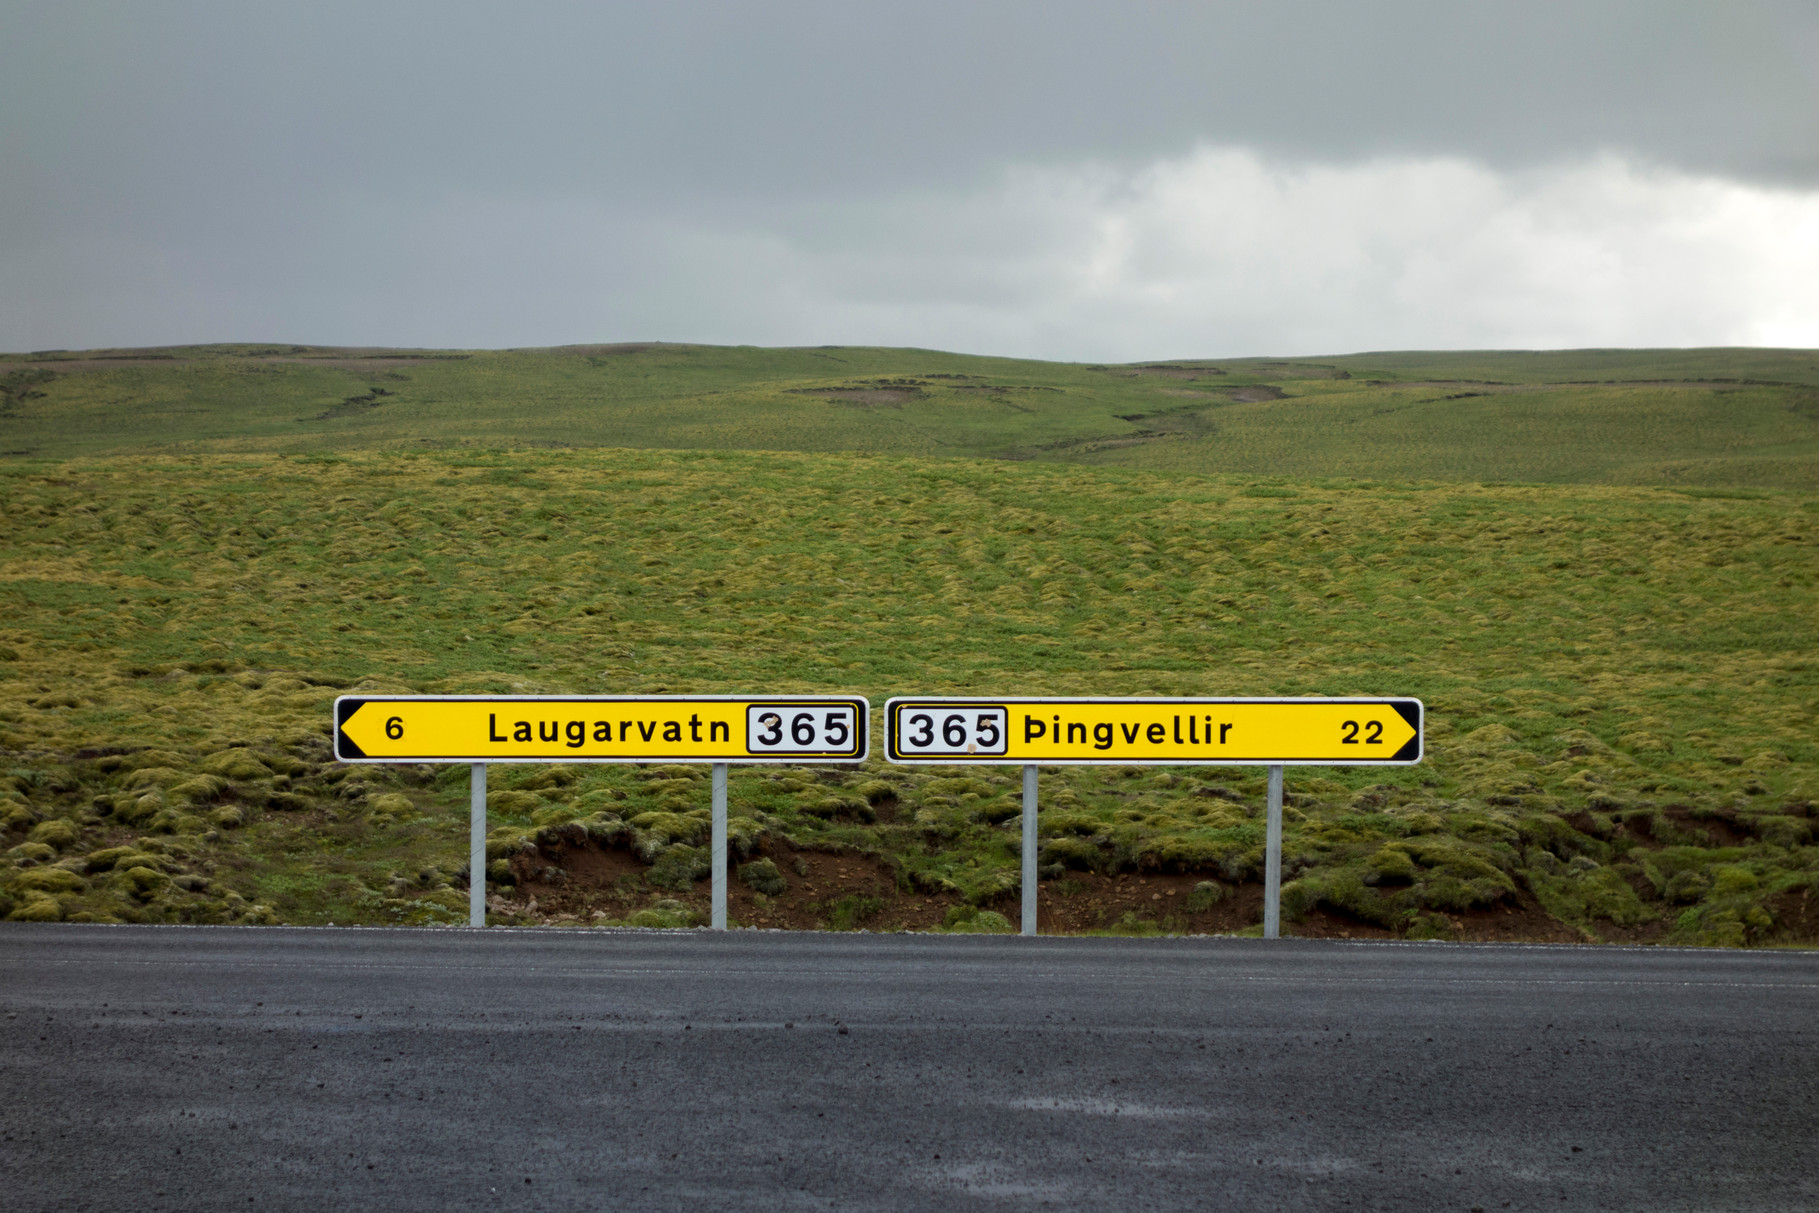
170,1067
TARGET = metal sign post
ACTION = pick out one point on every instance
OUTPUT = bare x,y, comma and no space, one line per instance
1272,859
715,729
1173,732
718,918
1029,850
476,845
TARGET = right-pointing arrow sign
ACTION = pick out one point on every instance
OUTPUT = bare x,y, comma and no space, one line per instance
1336,732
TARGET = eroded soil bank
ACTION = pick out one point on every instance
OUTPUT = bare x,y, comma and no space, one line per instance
582,884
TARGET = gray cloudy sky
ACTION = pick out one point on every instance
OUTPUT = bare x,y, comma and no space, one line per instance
1064,180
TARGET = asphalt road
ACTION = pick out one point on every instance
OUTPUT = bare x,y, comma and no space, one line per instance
237,1068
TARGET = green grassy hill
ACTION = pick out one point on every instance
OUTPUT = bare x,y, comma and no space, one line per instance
1622,685
1597,568
1714,418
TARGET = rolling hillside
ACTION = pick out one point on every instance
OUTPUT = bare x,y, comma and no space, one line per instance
1714,418
1621,685
199,548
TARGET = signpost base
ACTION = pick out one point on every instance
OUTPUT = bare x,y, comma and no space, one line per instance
1029,850
719,847
1272,863
476,846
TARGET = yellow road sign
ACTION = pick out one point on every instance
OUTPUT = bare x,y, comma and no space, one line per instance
602,728
1274,732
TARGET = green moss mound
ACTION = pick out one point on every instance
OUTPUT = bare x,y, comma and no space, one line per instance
39,909
763,876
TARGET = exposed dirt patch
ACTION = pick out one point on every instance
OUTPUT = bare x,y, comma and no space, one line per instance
358,361
1164,371
578,881
1001,388
611,883
1215,394
1703,385
1322,923
1298,370
819,882
1644,887
609,350
365,366
587,883
354,405
1582,821
1442,384
1796,917
859,890
870,398
1519,921
74,366
375,352
1678,827
1084,902
1087,901
1724,830
1647,932
1084,446
1170,426
889,393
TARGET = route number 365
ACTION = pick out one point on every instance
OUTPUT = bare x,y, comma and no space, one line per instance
951,731
782,728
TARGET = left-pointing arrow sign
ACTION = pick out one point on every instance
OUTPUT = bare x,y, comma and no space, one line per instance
602,728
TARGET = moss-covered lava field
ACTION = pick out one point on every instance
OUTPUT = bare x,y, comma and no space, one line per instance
1622,686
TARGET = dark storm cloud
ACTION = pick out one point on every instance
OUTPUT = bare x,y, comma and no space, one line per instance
187,171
